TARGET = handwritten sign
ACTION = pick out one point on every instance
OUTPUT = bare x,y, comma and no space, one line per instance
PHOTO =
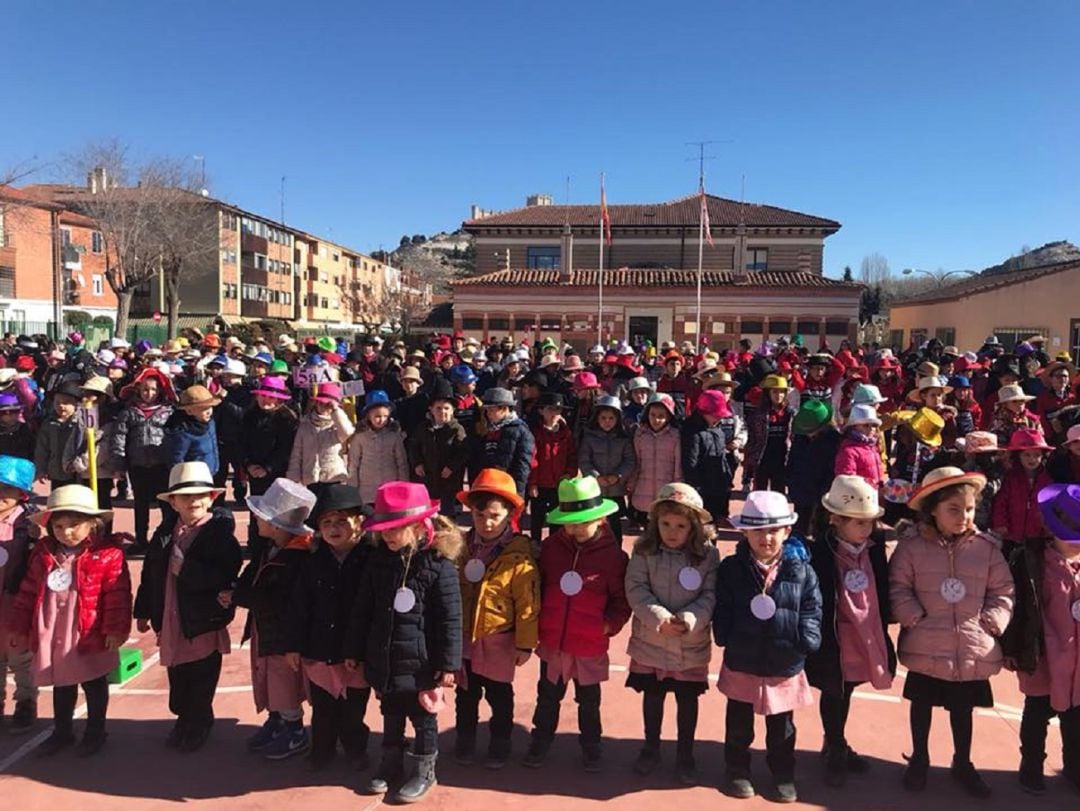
305,377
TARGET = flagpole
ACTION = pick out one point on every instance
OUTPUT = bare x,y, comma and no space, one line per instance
600,271
700,260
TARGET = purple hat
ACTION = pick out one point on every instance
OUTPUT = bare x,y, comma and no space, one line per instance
9,402
1060,508
273,387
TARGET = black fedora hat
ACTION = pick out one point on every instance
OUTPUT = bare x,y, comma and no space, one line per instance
335,497
550,399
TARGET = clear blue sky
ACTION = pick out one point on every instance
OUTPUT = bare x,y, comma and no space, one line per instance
941,134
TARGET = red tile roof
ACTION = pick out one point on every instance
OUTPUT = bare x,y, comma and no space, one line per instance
646,277
985,282
684,212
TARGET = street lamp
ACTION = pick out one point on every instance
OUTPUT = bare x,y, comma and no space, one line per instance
939,277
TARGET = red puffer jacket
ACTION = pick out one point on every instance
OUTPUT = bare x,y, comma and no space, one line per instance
575,625
1015,509
104,587
856,458
556,455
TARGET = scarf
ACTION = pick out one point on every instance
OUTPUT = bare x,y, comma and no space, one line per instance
859,438
863,654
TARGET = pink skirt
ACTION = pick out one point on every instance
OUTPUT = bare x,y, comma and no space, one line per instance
769,695
334,679
493,657
585,670
275,685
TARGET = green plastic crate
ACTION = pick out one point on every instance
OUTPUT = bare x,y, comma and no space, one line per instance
129,667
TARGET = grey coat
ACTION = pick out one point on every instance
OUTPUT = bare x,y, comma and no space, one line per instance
137,438
602,453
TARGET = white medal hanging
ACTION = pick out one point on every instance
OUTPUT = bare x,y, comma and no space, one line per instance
3,556
404,600
59,580
1076,610
953,590
474,570
571,583
763,607
856,581
689,578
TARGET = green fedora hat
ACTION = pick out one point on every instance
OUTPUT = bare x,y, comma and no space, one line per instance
812,414
580,501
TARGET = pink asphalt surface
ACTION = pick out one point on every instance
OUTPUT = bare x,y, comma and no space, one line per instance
135,770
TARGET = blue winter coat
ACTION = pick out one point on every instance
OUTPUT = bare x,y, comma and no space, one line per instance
773,647
507,446
188,440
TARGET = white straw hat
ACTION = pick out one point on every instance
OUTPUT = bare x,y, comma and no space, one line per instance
863,415
74,498
190,478
764,509
1011,393
852,496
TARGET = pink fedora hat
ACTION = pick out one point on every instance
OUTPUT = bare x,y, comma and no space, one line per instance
273,387
398,504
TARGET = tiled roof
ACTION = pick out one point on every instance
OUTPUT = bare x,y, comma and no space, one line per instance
645,277
684,212
985,282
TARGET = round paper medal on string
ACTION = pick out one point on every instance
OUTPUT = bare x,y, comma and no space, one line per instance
571,583
3,556
856,581
953,590
763,607
689,578
404,600
474,570
59,580
1076,610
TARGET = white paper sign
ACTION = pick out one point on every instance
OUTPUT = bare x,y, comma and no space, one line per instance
352,388
307,376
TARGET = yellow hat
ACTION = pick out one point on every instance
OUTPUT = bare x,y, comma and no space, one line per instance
927,426
775,382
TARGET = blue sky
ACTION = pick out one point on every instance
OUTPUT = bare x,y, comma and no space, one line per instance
941,134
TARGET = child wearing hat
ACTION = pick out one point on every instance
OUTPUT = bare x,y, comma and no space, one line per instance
266,436
671,588
54,436
918,440
1015,513
1011,413
638,391
16,489
769,430
1060,392
657,455
823,372
190,433
16,438
555,459
815,442
412,406
982,455
264,588
319,447
859,453
500,597
968,412
504,441
706,461
186,567
951,591
72,613
1064,463
583,605
1041,642
405,634
319,609
848,555
767,620
377,449
606,453
438,449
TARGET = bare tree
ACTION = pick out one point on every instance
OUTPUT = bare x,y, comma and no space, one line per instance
874,269
403,305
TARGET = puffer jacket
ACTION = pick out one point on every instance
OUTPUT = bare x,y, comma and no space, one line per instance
603,453
137,437
50,453
773,647
508,597
376,457
318,451
954,642
1015,509
706,465
437,447
322,600
556,455
857,458
265,588
102,581
658,461
506,446
1024,641
189,440
656,595
575,625
266,440
402,652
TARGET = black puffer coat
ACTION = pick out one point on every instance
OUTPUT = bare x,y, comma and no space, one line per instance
265,589
401,653
705,465
229,415
773,647
507,446
823,667
322,601
267,441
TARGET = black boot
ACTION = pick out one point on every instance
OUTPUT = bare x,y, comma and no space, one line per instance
915,774
24,717
965,774
1031,776
465,748
389,771
836,767
421,778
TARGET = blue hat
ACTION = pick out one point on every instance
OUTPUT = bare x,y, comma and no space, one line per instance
375,398
462,373
263,357
218,360
959,382
17,472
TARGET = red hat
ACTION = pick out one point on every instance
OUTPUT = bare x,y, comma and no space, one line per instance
627,362
1027,439
611,358
459,334
887,362
309,341
585,380
442,341
673,354
398,504
24,363
713,403
165,385
212,341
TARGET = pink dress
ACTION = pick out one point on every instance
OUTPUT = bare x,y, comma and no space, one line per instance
334,679
585,669
56,627
864,656
274,685
493,657
1058,673
177,649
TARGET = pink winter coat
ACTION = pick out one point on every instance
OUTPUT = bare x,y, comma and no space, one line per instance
659,462
1015,509
953,642
855,458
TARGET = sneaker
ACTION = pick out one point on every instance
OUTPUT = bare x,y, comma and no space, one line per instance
465,751
592,761
24,718
915,775
856,763
536,755
91,743
175,736
266,734
971,780
785,792
55,743
738,786
287,743
686,770
1032,780
195,739
496,760
647,760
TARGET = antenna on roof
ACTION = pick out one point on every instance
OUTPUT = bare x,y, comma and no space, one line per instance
701,158
566,201
742,202
283,199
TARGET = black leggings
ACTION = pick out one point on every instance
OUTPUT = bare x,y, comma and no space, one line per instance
779,741
686,701
546,716
546,501
959,719
97,702
834,714
499,696
146,483
1037,715
338,718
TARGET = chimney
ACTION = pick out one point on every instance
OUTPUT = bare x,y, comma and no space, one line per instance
566,261
97,180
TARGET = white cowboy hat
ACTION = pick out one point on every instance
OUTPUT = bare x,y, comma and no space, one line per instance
286,505
863,415
853,497
1011,393
764,509
190,478
74,498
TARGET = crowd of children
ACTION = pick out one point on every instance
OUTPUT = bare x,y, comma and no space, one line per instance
361,579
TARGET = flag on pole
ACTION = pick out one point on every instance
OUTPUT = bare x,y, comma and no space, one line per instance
605,218
705,218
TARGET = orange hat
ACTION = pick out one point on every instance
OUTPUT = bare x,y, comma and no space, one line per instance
497,483
212,341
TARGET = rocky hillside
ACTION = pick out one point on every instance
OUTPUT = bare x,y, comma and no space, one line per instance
438,258
1049,254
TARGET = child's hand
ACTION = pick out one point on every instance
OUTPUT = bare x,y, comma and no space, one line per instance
419,471
224,598
142,624
444,679
292,659
607,629
446,472
534,491
522,656
113,642
672,627
256,471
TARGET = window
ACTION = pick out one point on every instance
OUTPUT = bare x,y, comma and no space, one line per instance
324,302
98,282
65,236
779,326
500,324
543,257
324,276
947,335
752,327
524,323
472,323
260,261
896,340
1011,336
757,258
805,328
322,251
836,328
7,282
97,243
550,323
337,257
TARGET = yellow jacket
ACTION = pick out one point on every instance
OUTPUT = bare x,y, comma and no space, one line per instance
506,599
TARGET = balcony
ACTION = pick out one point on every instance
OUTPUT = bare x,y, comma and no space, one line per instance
249,243
71,256
252,275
